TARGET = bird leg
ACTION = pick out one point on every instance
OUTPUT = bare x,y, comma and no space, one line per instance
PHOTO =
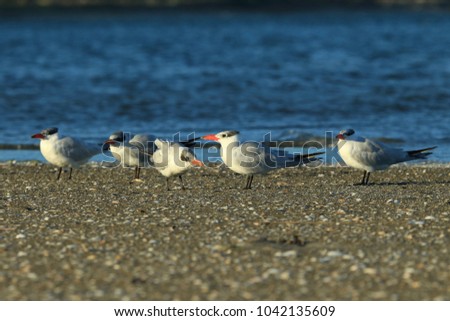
249,182
367,178
59,173
181,180
363,182
70,173
167,183
136,172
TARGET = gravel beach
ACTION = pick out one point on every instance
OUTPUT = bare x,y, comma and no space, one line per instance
299,234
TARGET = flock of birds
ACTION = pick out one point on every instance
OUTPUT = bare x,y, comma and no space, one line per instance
248,158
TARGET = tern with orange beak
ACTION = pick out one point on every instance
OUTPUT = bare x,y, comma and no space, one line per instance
250,158
65,151
368,155
173,159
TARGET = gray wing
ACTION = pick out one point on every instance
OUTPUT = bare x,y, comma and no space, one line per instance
251,155
283,159
76,149
378,154
143,146
144,142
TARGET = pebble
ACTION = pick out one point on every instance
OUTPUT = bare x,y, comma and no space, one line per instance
286,254
370,271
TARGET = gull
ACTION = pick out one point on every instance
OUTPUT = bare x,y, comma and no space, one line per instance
132,152
173,159
250,158
368,155
64,151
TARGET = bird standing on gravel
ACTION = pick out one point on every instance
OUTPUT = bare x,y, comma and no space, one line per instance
362,153
173,159
65,151
132,152
250,158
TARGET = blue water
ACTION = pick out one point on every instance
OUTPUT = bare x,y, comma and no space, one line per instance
385,74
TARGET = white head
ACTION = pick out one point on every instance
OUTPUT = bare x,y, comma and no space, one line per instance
188,157
343,134
225,137
47,133
117,138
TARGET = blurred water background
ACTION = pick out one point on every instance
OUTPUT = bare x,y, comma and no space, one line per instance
296,74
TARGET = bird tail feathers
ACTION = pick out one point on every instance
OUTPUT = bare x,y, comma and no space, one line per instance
421,153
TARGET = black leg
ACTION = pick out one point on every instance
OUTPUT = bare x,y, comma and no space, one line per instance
363,182
137,172
59,173
367,178
167,183
181,180
70,173
249,182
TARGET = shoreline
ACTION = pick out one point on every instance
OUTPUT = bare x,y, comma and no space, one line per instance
96,164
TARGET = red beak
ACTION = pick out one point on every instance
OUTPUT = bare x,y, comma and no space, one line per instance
196,162
210,137
110,142
39,135
340,136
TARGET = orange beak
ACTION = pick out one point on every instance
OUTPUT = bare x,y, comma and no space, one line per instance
210,137
39,135
196,162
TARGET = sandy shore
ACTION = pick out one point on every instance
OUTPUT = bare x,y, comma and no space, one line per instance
300,234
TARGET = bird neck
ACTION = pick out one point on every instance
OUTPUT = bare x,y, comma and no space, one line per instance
340,143
226,149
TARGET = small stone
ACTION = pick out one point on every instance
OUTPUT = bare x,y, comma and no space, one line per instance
286,254
370,271
334,253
